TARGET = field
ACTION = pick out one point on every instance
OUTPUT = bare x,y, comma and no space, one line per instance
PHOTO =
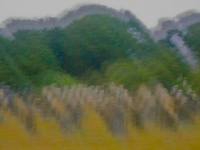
94,135
96,131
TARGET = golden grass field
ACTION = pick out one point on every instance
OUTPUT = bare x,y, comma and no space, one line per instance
95,136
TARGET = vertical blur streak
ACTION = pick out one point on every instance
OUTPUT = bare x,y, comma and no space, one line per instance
184,50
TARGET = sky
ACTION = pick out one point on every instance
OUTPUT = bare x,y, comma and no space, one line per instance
148,11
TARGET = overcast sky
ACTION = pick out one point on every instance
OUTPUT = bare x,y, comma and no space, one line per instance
148,11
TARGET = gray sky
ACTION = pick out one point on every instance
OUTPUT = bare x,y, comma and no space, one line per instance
148,11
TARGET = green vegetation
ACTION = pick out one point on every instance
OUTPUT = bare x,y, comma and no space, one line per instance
192,38
141,102
95,49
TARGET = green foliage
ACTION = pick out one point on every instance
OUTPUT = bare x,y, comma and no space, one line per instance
130,73
9,71
94,39
48,77
166,65
95,49
192,38
162,65
55,41
32,53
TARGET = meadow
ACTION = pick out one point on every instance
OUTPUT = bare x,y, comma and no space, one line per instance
99,117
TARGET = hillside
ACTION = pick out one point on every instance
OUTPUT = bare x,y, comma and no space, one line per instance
96,78
88,50
186,43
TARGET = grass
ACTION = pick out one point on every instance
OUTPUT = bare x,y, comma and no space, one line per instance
94,135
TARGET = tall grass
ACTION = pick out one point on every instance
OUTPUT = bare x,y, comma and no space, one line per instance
98,117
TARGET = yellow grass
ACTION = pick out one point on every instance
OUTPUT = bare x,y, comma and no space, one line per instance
95,136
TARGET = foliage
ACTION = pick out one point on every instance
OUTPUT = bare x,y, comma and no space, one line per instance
93,40
10,73
95,49
48,77
130,73
192,38
32,54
